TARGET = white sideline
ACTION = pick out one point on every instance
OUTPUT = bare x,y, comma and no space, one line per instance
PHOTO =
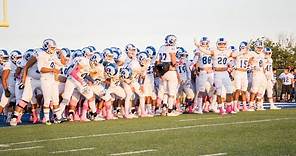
148,130
134,152
216,154
23,148
204,118
73,150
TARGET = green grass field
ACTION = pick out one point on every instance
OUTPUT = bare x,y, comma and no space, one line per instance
247,133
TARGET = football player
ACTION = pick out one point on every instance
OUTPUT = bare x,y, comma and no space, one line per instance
9,81
242,61
270,77
206,75
221,57
258,76
150,91
46,62
185,85
166,64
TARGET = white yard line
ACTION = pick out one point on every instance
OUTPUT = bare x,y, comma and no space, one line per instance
216,154
23,148
148,130
73,150
134,152
2,145
204,118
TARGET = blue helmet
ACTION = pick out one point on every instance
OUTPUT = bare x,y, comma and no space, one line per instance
96,59
4,55
259,44
232,48
87,51
111,69
66,52
181,53
204,40
170,40
242,45
48,43
130,47
143,57
107,53
126,73
28,54
116,52
15,55
221,40
151,51
267,50
77,53
92,48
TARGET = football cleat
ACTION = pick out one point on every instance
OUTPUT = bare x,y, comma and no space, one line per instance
272,106
221,111
13,122
47,122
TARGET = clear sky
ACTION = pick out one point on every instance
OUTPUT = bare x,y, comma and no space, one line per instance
104,23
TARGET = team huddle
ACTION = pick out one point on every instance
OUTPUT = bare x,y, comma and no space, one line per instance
57,85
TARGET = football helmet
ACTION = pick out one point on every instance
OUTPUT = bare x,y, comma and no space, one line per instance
181,53
242,45
92,48
49,43
15,55
108,54
126,73
87,52
170,40
4,56
96,59
66,52
116,52
151,51
267,51
111,69
130,47
28,54
143,58
232,48
204,41
259,44
77,53
221,40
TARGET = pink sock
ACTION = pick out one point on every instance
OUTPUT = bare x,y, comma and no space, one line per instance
104,112
84,110
108,107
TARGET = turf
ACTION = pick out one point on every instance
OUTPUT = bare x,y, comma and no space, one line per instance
246,133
